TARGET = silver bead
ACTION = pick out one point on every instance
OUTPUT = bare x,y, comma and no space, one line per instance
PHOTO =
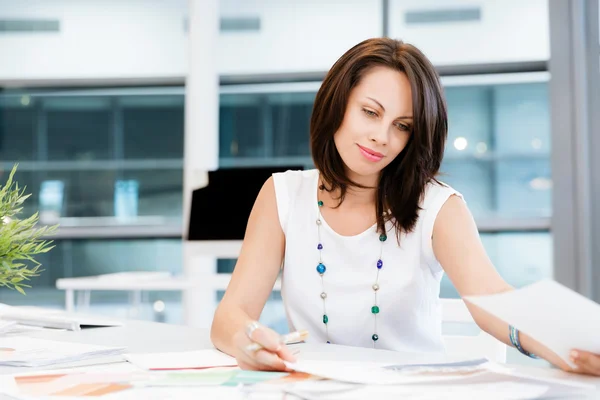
318,222
375,287
323,295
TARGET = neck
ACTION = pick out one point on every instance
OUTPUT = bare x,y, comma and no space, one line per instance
358,196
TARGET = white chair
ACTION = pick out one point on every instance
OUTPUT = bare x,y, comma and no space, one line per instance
481,345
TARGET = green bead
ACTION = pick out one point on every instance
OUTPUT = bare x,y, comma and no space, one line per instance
375,337
382,238
320,203
375,310
325,319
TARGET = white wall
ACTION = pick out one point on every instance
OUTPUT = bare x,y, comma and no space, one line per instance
296,35
145,40
509,31
97,40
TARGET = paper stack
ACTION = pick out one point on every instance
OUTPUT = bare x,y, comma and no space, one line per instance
21,351
182,360
6,326
49,318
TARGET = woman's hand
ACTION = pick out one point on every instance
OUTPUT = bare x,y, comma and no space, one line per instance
587,363
269,358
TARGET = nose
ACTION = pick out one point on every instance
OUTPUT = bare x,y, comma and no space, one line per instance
379,135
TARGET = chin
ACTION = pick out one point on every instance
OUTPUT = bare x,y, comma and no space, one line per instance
362,169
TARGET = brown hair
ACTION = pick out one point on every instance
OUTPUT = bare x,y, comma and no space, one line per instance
402,183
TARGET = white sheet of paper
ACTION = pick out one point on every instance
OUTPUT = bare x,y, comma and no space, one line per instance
375,374
22,351
181,360
552,314
187,393
6,326
488,391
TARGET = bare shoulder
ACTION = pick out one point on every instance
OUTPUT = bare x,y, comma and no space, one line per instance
455,203
267,192
454,216
265,206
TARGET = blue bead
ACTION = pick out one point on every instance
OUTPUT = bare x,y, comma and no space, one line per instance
328,342
321,268
379,264
375,337
320,246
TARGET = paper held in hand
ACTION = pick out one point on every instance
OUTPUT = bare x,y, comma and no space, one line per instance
552,314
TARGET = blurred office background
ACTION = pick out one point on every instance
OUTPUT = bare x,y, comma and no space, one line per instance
92,102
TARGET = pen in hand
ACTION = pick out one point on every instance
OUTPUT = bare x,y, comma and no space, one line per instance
292,337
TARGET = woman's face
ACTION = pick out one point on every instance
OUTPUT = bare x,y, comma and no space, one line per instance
377,123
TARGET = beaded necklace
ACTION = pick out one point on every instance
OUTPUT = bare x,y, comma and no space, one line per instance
321,269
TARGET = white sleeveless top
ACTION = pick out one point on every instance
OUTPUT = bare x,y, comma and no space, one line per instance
408,298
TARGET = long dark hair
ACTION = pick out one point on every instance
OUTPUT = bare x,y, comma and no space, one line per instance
402,183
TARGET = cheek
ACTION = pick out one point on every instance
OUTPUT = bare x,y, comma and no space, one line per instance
344,136
352,127
400,142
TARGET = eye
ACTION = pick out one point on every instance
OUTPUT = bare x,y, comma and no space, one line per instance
370,113
403,127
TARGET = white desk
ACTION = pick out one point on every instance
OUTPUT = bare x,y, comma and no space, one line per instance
139,336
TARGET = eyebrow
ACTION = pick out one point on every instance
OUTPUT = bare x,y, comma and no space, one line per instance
383,108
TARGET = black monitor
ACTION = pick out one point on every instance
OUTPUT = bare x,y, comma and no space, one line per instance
220,210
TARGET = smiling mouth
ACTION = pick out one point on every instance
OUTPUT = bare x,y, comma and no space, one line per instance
370,154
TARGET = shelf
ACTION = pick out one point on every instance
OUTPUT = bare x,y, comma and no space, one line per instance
491,157
513,224
96,165
451,76
229,162
113,228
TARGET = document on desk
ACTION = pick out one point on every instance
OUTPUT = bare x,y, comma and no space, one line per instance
552,314
488,391
376,374
181,360
53,318
6,326
21,351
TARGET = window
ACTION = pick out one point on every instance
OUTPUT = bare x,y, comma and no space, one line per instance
116,153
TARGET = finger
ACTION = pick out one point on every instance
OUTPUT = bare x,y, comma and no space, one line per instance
588,362
245,366
267,338
247,362
258,364
269,360
255,358
285,353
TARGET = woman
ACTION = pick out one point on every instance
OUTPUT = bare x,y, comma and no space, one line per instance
365,238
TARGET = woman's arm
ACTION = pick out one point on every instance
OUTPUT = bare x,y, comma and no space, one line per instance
458,247
251,284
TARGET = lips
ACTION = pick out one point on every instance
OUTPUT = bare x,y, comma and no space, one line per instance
370,154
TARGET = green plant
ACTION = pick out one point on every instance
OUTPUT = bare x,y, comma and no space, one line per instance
20,239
